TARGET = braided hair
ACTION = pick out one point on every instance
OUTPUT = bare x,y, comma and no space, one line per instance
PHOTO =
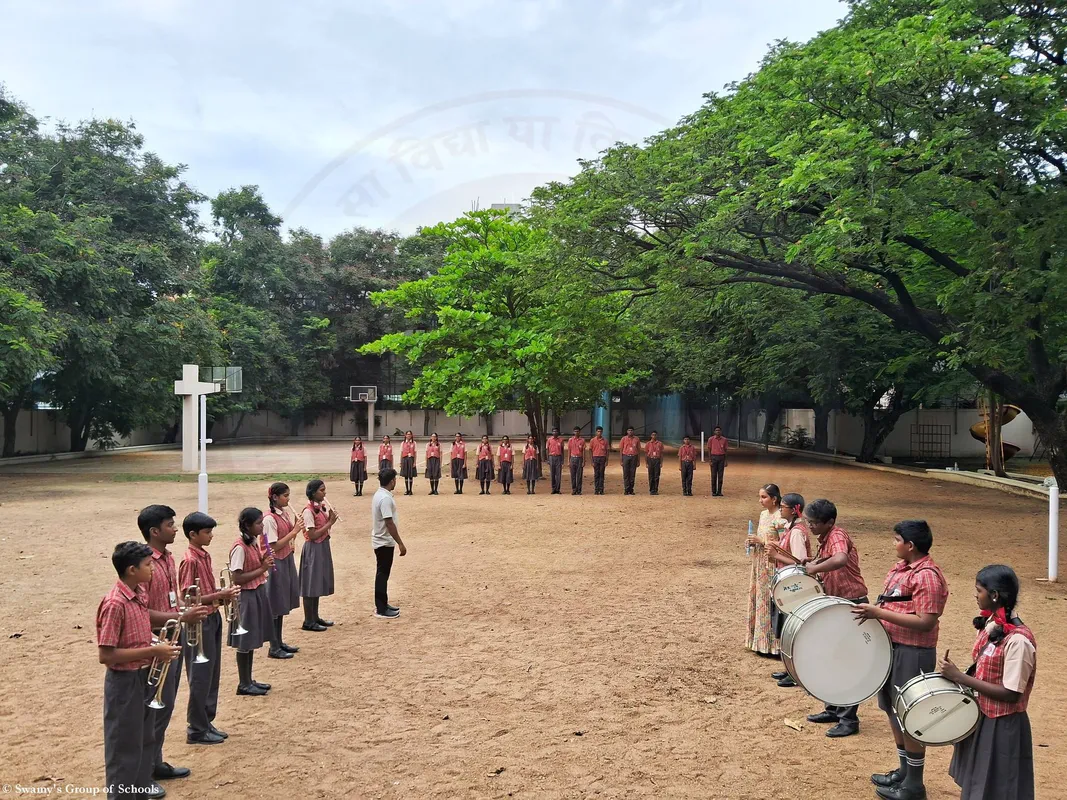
1004,582
276,490
245,520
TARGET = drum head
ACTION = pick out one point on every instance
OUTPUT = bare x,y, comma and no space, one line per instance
938,712
792,588
838,661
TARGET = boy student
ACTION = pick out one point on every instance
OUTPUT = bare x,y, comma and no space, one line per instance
687,457
554,448
203,679
630,447
909,609
124,644
384,539
718,446
654,462
576,449
598,448
838,562
157,526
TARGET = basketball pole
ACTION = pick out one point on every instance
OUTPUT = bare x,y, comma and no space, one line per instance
1053,531
201,479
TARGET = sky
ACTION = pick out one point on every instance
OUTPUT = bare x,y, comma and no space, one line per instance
394,113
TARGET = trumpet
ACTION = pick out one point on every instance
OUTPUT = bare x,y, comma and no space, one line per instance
157,673
194,636
233,607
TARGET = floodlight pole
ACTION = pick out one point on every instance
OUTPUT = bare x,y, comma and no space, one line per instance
201,479
370,420
1053,530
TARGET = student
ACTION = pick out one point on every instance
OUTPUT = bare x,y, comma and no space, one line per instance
250,570
485,472
385,454
357,470
281,527
124,646
530,472
459,462
316,557
157,526
654,462
433,462
794,547
576,449
996,762
760,637
687,457
630,447
838,562
195,569
506,455
408,469
598,449
384,538
718,446
554,448
909,607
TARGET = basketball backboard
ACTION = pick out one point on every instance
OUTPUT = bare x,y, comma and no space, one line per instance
363,394
230,379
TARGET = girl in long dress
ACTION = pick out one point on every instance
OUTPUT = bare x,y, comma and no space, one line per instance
760,637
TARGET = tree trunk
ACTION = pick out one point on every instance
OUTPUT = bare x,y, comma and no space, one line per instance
488,425
822,426
11,417
876,428
536,418
237,427
994,436
772,407
171,434
79,422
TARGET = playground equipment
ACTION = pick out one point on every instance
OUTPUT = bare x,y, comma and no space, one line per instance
1007,414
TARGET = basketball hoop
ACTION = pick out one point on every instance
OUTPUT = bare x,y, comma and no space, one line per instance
363,394
229,379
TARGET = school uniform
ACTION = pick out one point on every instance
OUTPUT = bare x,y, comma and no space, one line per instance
256,615
530,471
654,462
357,470
129,724
554,449
717,449
996,762
630,447
203,678
316,557
797,541
433,462
505,455
407,460
576,449
385,457
485,470
687,458
598,449
283,585
459,461
383,507
163,596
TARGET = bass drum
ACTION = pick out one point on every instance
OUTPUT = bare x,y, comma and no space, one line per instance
792,587
832,657
935,711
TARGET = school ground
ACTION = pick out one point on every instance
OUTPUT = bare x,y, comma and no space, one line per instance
549,646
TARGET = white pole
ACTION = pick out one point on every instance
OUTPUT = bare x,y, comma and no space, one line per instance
370,422
702,447
1053,533
201,480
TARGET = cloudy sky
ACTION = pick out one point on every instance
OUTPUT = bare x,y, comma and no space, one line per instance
393,113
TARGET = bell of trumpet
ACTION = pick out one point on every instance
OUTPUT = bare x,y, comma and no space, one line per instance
195,633
233,606
157,673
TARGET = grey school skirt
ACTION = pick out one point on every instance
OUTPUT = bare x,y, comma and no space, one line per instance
407,467
256,618
358,472
459,471
507,475
996,762
316,569
283,586
433,469
530,471
384,464
485,470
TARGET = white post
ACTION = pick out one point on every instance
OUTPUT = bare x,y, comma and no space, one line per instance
702,447
370,421
201,480
1053,532
191,390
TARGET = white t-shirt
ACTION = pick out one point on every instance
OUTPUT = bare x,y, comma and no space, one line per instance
382,507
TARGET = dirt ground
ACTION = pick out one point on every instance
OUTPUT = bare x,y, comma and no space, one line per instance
549,647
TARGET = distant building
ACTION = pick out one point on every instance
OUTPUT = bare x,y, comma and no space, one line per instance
511,208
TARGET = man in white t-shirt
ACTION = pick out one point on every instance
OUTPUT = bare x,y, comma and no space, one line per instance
384,538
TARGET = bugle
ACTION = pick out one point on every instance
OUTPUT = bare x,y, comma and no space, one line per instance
232,606
157,673
194,636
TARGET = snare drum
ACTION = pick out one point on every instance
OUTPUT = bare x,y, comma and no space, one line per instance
792,587
935,711
832,657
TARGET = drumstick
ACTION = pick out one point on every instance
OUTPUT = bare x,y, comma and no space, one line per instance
786,553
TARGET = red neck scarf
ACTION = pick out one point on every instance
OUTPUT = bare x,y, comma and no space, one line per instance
1000,617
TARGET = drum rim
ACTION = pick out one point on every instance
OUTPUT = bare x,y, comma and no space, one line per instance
958,691
820,591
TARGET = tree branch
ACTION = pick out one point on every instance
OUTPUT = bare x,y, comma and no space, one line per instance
935,255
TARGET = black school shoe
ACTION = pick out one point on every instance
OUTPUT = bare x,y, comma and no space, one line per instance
289,648
327,622
277,652
901,793
217,732
208,737
313,627
264,686
164,772
841,730
251,690
155,791
779,675
823,716
787,682
888,779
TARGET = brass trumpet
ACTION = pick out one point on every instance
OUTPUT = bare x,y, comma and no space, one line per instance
157,673
233,607
194,636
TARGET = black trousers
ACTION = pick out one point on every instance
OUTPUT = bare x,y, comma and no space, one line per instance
204,678
384,557
555,468
655,467
600,465
577,471
129,731
718,467
688,468
170,692
629,473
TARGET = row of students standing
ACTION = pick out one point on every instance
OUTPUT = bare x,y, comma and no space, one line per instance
499,466
993,763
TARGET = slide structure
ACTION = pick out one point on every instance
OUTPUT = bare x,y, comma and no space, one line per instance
1008,413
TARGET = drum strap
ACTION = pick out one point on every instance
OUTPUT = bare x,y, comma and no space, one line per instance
891,598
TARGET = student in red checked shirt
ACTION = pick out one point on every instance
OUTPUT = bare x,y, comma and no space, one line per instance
630,447
598,448
654,462
554,448
909,608
458,456
576,449
717,449
687,457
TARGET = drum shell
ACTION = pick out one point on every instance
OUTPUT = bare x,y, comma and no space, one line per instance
946,695
790,582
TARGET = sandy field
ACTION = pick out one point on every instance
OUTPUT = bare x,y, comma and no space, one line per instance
549,647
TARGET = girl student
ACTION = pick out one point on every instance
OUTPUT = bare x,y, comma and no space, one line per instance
385,454
316,558
506,455
357,472
459,462
760,636
485,473
281,526
530,473
795,541
996,762
433,462
407,461
250,569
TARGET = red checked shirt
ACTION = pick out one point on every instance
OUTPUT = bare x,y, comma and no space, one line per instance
385,452
485,452
433,451
530,453
846,582
554,446
924,582
654,449
246,557
687,453
598,446
459,450
359,454
718,445
630,445
163,589
576,446
1011,663
407,449
122,622
196,563
276,525
506,454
